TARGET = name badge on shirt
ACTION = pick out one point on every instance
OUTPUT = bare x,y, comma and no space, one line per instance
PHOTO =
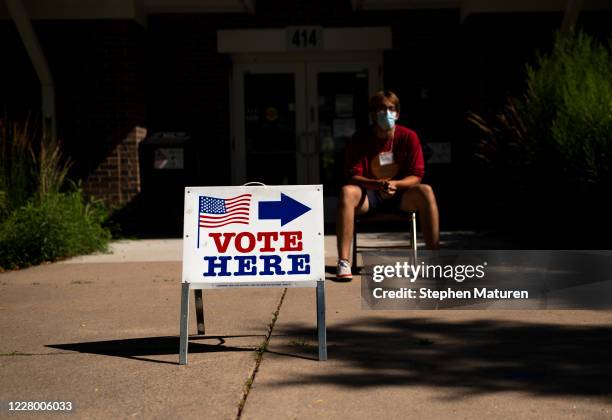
385,158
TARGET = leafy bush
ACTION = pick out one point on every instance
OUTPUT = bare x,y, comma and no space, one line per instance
568,107
55,226
552,149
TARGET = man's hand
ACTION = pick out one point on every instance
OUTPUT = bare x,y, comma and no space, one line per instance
389,189
380,184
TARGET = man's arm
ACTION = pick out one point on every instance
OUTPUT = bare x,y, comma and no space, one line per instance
406,182
368,183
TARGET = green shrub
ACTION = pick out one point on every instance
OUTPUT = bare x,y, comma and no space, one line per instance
552,149
54,226
568,107
38,220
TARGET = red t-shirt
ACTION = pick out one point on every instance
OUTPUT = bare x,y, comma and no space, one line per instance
365,146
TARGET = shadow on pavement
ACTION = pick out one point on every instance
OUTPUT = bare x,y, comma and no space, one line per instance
472,357
139,348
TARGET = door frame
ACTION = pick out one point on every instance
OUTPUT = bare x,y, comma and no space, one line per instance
305,66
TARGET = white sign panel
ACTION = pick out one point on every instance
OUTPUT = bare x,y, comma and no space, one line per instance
263,236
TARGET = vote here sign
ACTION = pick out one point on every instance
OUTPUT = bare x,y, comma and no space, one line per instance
253,236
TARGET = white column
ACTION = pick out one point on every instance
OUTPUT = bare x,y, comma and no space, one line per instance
30,41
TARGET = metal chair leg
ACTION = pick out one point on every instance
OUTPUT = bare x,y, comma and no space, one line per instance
413,237
354,259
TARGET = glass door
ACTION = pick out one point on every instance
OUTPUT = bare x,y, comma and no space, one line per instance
270,128
268,122
291,121
337,98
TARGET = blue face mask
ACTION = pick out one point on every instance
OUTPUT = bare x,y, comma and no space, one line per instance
386,119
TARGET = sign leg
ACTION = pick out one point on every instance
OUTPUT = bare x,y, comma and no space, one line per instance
199,308
321,328
184,339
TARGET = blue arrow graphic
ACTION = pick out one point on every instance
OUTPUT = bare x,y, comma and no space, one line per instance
287,209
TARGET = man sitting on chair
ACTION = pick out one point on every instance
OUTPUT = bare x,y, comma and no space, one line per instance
384,166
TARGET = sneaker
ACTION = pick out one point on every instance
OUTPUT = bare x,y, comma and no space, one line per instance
343,271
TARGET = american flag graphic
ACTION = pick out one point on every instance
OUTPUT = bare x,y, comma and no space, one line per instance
217,212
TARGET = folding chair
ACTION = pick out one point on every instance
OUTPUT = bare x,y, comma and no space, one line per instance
399,218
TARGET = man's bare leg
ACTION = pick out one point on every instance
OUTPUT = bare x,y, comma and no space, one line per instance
421,198
352,200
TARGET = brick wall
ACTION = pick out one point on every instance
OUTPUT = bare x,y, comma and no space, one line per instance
117,178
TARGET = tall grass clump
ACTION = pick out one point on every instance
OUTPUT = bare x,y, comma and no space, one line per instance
17,175
43,217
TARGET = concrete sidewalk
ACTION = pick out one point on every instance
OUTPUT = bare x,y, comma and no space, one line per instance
433,364
101,331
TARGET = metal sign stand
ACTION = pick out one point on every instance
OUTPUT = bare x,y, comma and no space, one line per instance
321,328
184,324
199,307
